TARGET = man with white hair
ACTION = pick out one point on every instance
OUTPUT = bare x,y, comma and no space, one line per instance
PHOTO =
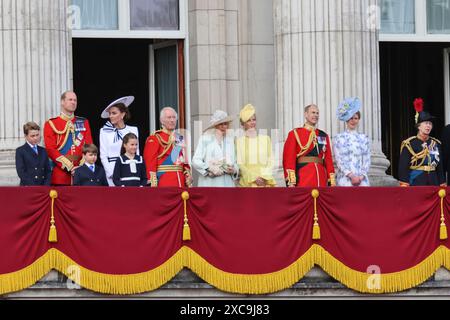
165,154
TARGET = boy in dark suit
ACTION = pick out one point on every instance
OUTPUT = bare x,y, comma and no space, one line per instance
32,163
89,174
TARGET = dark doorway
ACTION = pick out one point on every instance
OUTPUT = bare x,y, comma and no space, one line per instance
408,71
107,69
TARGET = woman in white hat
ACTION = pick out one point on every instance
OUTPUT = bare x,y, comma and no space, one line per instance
215,157
254,153
351,148
112,133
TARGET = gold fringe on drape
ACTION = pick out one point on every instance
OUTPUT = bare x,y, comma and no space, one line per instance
229,282
248,283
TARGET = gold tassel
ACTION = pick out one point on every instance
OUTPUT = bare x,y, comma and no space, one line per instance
443,229
443,232
186,228
316,231
53,236
186,232
316,227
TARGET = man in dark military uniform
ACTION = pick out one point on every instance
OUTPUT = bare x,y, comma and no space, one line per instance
421,155
64,138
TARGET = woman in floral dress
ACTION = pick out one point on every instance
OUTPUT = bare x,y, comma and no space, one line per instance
351,148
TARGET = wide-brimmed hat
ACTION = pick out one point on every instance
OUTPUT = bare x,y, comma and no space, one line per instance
247,112
124,100
217,118
347,108
421,115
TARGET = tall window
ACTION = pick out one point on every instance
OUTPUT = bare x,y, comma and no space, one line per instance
166,78
438,16
97,14
154,14
397,16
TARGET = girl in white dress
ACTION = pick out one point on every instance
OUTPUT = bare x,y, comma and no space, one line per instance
112,133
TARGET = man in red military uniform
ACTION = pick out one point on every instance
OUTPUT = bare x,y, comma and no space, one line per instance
64,137
165,155
307,159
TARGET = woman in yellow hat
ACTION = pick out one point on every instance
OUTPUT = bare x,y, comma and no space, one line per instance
254,153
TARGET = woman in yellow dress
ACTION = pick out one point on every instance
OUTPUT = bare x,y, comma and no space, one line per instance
254,153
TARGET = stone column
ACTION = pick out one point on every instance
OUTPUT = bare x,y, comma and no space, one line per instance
214,58
327,50
35,64
232,58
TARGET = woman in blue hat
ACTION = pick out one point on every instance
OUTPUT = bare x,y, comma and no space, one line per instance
351,148
420,156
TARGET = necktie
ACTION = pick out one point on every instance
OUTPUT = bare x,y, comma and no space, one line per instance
35,149
92,168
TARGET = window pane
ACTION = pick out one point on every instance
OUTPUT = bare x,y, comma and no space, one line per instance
97,14
397,16
154,14
438,16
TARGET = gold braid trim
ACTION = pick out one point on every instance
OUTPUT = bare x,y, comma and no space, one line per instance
291,177
417,159
303,149
153,179
65,163
68,129
166,144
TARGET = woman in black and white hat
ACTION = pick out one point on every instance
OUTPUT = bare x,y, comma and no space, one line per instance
112,133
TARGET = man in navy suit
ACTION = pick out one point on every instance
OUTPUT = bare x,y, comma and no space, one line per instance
32,163
89,174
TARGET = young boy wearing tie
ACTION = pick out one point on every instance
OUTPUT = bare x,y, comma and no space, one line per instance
89,174
32,163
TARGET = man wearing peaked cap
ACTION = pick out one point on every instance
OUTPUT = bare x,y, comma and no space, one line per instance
420,156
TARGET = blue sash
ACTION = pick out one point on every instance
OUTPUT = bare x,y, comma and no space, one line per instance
413,176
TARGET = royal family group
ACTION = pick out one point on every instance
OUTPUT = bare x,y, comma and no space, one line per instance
69,157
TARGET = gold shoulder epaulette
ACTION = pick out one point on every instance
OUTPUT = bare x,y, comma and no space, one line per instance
406,142
436,140
60,132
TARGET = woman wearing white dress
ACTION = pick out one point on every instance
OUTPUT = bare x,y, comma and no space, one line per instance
351,148
112,133
215,156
